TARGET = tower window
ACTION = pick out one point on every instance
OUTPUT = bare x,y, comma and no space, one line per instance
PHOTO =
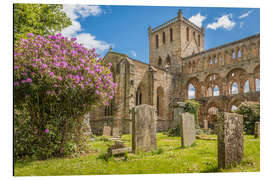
187,33
163,39
157,41
171,34
199,40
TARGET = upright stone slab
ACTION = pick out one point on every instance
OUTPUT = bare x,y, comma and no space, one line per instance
86,120
257,130
107,131
116,132
178,108
187,129
230,139
143,128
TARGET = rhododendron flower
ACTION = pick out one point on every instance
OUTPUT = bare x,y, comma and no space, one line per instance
46,130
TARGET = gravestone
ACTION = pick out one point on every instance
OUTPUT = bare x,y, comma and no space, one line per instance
143,128
205,124
257,130
116,132
178,108
187,129
86,121
230,139
107,131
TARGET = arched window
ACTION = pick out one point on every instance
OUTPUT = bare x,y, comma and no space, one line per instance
234,107
157,41
216,60
171,34
216,90
168,62
187,29
109,109
210,62
199,40
163,38
233,55
159,61
234,88
210,92
239,54
138,97
191,91
246,86
257,84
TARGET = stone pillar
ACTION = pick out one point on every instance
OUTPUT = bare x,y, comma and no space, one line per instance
230,139
187,129
143,128
205,124
178,108
257,130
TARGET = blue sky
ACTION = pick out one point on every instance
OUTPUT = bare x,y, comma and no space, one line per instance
125,27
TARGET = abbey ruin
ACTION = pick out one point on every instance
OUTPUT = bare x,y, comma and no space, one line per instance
179,68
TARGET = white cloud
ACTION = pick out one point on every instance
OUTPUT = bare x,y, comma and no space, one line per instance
245,15
75,30
133,53
224,21
197,19
241,24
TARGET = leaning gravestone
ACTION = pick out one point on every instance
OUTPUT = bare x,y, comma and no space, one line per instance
187,129
107,131
230,139
257,130
143,128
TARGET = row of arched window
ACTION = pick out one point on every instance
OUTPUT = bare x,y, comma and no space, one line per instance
194,34
164,37
167,61
214,90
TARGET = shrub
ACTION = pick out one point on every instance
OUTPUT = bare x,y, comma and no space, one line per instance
56,81
174,132
251,114
192,107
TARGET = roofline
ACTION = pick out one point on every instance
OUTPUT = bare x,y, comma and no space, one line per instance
224,45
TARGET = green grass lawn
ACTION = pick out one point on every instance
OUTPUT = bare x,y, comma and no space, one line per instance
201,157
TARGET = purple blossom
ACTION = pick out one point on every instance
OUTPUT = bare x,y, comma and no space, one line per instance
29,80
51,73
46,130
30,34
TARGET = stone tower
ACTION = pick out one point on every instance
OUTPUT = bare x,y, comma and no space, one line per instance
174,40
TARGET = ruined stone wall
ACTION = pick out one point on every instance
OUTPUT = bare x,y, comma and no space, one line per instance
234,63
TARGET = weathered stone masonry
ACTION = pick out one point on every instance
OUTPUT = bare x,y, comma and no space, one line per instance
177,60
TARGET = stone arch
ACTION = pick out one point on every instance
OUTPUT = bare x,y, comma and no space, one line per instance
236,75
168,62
212,108
196,84
160,101
212,80
235,102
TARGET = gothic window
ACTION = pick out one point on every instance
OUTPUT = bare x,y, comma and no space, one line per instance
239,54
109,109
168,62
210,62
191,91
233,55
194,34
171,34
234,88
246,87
157,41
163,38
216,60
138,97
257,84
199,40
216,90
159,62
187,29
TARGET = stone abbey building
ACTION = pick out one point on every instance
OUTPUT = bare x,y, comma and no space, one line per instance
179,69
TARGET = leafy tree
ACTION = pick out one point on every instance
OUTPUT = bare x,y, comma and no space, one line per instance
42,19
251,114
56,81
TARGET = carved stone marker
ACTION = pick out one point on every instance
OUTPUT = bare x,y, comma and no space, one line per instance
257,130
107,131
116,132
187,129
86,120
178,108
143,128
230,139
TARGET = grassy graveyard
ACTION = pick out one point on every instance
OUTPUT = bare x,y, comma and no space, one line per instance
168,158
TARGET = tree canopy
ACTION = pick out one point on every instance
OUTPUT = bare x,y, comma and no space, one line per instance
39,19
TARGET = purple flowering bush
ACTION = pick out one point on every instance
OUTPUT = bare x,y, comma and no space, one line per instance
56,81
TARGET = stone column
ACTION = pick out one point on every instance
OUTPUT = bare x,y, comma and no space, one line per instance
230,139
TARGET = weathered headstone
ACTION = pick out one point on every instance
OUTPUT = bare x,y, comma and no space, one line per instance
107,131
86,120
178,108
230,139
257,130
143,128
205,124
187,129
116,132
